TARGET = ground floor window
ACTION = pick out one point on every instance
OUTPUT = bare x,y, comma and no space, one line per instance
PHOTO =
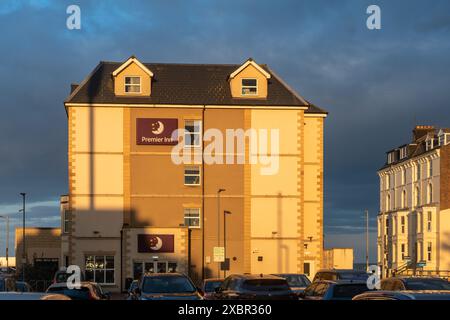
307,268
142,267
100,269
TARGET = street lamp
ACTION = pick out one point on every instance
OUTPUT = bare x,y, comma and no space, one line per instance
225,212
23,237
218,226
7,240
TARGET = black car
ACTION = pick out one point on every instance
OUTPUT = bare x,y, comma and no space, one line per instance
341,274
86,291
404,295
414,283
334,290
166,286
254,287
296,281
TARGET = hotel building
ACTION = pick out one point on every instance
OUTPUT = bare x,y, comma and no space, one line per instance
414,218
131,208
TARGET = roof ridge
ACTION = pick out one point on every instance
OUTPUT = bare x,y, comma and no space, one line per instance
182,63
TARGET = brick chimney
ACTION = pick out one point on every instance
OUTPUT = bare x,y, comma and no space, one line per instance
420,131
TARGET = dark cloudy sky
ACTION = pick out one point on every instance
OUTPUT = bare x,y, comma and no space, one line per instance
375,84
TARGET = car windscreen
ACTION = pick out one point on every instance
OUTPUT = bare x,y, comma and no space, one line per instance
75,294
210,286
169,284
349,290
297,280
353,276
427,284
265,285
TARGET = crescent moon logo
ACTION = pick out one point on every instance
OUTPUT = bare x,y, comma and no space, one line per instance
156,243
157,128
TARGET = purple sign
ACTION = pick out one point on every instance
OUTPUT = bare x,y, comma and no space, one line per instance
156,131
155,243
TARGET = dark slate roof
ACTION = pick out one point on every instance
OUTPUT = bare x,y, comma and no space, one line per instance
191,84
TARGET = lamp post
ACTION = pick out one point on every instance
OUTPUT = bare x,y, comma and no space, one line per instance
225,212
367,240
23,237
218,226
7,240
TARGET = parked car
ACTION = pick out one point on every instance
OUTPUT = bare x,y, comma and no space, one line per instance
334,290
166,286
7,283
341,274
31,296
209,286
22,286
133,285
403,295
87,291
414,283
61,276
253,287
296,281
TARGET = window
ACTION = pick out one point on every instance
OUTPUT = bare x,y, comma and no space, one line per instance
388,202
249,87
403,251
418,172
403,176
429,247
429,144
192,217
430,168
430,193
132,84
192,175
390,157
403,152
100,269
420,222
66,221
404,200
387,182
402,221
442,139
429,216
192,135
417,197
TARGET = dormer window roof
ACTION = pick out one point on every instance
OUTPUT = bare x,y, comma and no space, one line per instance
131,60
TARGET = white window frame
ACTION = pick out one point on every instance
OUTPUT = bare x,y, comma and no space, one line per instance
65,222
132,85
199,175
188,133
104,269
188,211
249,87
429,221
403,152
429,144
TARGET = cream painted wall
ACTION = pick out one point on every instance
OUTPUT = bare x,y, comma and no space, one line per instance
108,133
279,256
105,177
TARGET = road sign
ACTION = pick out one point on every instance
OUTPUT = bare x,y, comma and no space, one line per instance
219,254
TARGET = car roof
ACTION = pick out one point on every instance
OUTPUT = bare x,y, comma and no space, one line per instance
341,271
288,274
342,282
172,274
213,279
64,284
256,276
429,294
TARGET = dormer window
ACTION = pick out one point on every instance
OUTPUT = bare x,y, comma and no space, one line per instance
391,157
429,144
249,87
403,152
132,84
444,139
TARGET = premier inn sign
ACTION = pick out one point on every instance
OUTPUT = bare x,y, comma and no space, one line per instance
155,243
155,131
